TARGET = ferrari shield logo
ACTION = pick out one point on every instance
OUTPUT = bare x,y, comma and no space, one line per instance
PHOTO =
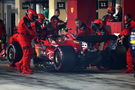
72,10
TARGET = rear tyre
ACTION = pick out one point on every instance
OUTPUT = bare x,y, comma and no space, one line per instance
14,53
64,58
119,58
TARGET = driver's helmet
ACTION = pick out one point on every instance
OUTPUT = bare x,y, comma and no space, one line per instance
31,14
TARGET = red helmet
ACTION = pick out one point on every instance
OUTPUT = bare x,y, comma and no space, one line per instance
96,25
98,21
110,9
31,14
41,17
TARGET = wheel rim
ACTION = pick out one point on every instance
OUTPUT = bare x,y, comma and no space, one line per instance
11,54
58,60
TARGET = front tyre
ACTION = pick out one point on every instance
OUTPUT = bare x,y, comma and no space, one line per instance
64,58
14,53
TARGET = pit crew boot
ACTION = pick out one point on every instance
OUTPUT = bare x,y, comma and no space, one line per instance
29,69
26,71
19,66
130,68
27,65
129,71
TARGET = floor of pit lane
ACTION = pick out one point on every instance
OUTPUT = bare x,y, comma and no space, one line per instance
10,79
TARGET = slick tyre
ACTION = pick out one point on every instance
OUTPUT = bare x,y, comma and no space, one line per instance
64,58
14,53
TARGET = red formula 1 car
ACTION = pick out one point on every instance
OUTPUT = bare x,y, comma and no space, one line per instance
64,53
59,51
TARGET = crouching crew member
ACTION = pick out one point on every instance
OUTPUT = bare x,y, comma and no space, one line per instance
129,26
24,37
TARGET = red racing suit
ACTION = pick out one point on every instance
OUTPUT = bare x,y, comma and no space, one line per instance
129,58
24,36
